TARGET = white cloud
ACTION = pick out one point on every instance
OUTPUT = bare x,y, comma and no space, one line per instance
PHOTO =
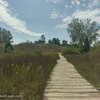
68,6
92,14
84,5
67,19
7,17
61,26
55,14
54,1
75,2
93,3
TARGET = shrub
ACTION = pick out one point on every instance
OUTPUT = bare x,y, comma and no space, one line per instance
37,52
70,51
95,50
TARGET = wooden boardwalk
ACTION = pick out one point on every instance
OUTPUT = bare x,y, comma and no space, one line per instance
67,84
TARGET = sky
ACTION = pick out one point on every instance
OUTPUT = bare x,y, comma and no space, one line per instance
29,19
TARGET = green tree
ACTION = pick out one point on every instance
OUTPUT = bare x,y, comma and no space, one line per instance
42,39
8,47
50,42
6,39
5,35
83,32
64,43
56,41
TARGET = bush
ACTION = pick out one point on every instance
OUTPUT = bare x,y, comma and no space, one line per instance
70,51
37,52
95,50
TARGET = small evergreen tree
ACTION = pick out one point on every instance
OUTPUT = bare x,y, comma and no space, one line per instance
64,43
56,41
42,39
50,41
86,45
8,47
6,39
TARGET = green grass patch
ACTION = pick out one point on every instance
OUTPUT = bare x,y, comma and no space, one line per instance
70,50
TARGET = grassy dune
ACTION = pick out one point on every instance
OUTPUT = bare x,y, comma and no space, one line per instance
43,47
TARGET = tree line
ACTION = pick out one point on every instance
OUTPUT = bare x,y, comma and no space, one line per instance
83,34
55,41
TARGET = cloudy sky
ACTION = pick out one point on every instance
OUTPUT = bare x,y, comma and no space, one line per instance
28,19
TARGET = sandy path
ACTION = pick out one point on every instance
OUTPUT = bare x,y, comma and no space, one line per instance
67,84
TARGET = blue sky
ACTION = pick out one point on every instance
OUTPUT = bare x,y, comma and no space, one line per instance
28,19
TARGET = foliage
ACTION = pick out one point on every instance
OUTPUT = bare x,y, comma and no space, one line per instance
5,35
37,52
97,44
95,49
54,41
50,42
83,32
69,50
6,39
42,40
8,47
64,43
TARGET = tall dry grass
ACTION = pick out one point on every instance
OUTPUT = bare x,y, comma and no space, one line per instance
88,65
26,74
